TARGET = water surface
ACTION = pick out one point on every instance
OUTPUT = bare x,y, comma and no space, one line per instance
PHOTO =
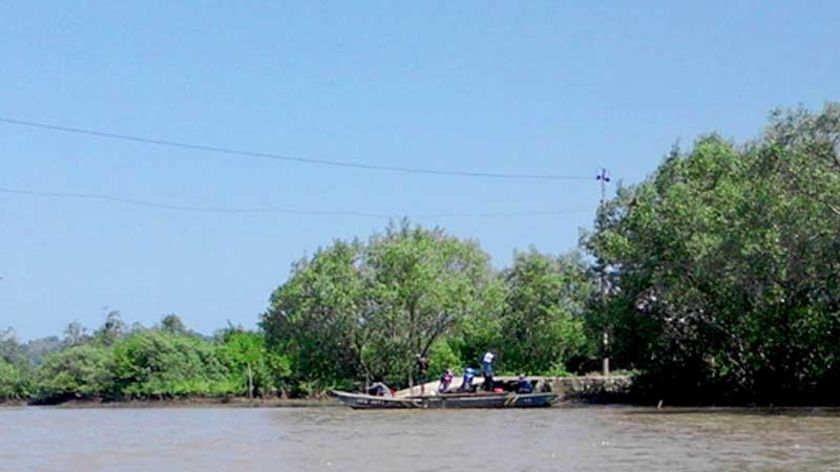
338,439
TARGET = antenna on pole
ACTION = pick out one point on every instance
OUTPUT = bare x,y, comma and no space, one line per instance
604,177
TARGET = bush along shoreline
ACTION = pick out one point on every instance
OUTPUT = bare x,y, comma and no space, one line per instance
716,279
166,362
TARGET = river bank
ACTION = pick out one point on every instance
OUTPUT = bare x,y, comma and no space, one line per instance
191,402
574,391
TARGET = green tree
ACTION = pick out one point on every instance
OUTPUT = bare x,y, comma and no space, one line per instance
421,283
36,350
172,324
158,364
79,372
443,356
113,329
542,320
729,259
13,382
482,331
10,348
254,369
75,334
362,311
317,318
14,368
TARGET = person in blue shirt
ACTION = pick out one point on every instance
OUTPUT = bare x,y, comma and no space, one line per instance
469,375
524,385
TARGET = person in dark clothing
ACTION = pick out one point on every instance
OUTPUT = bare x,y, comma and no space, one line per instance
422,371
379,389
524,385
487,370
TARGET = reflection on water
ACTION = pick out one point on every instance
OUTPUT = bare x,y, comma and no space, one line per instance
337,439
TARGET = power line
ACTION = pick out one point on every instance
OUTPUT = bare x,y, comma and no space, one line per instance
269,209
281,157
503,214
187,208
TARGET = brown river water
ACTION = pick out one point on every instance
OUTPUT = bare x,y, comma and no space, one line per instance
591,438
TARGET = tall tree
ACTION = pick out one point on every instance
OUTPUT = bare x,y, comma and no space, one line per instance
37,349
422,283
75,334
543,314
317,317
729,260
112,329
172,324
362,311
10,348
255,370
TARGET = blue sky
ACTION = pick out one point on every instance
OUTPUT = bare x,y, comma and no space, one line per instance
535,87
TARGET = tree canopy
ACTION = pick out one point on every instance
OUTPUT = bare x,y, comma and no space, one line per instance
359,311
729,259
542,318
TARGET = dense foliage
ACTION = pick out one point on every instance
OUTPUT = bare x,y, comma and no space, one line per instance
358,312
542,318
718,278
79,372
159,364
13,382
728,263
164,362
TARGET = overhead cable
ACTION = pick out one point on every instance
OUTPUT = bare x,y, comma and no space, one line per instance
282,157
271,209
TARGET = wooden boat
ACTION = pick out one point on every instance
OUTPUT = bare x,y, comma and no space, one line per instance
449,400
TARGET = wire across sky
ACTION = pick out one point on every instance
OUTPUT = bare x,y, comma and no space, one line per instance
273,209
282,157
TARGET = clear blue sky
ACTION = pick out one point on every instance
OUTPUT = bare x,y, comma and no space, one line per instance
542,87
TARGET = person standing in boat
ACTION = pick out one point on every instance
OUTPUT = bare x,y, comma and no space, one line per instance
487,370
422,371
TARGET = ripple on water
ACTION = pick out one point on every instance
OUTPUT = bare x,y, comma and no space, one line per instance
336,439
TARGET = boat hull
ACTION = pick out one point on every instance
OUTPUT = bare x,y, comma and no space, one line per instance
489,400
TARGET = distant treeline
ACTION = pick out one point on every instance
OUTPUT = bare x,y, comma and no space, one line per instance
717,279
120,363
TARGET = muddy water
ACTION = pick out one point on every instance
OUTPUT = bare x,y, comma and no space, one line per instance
337,439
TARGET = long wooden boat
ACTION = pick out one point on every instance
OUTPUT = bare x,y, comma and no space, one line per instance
449,400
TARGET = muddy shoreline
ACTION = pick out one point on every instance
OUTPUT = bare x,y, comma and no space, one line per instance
197,402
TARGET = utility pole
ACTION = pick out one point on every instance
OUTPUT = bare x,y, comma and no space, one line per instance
603,284
250,382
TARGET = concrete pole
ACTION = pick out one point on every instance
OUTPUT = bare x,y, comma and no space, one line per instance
602,282
250,382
